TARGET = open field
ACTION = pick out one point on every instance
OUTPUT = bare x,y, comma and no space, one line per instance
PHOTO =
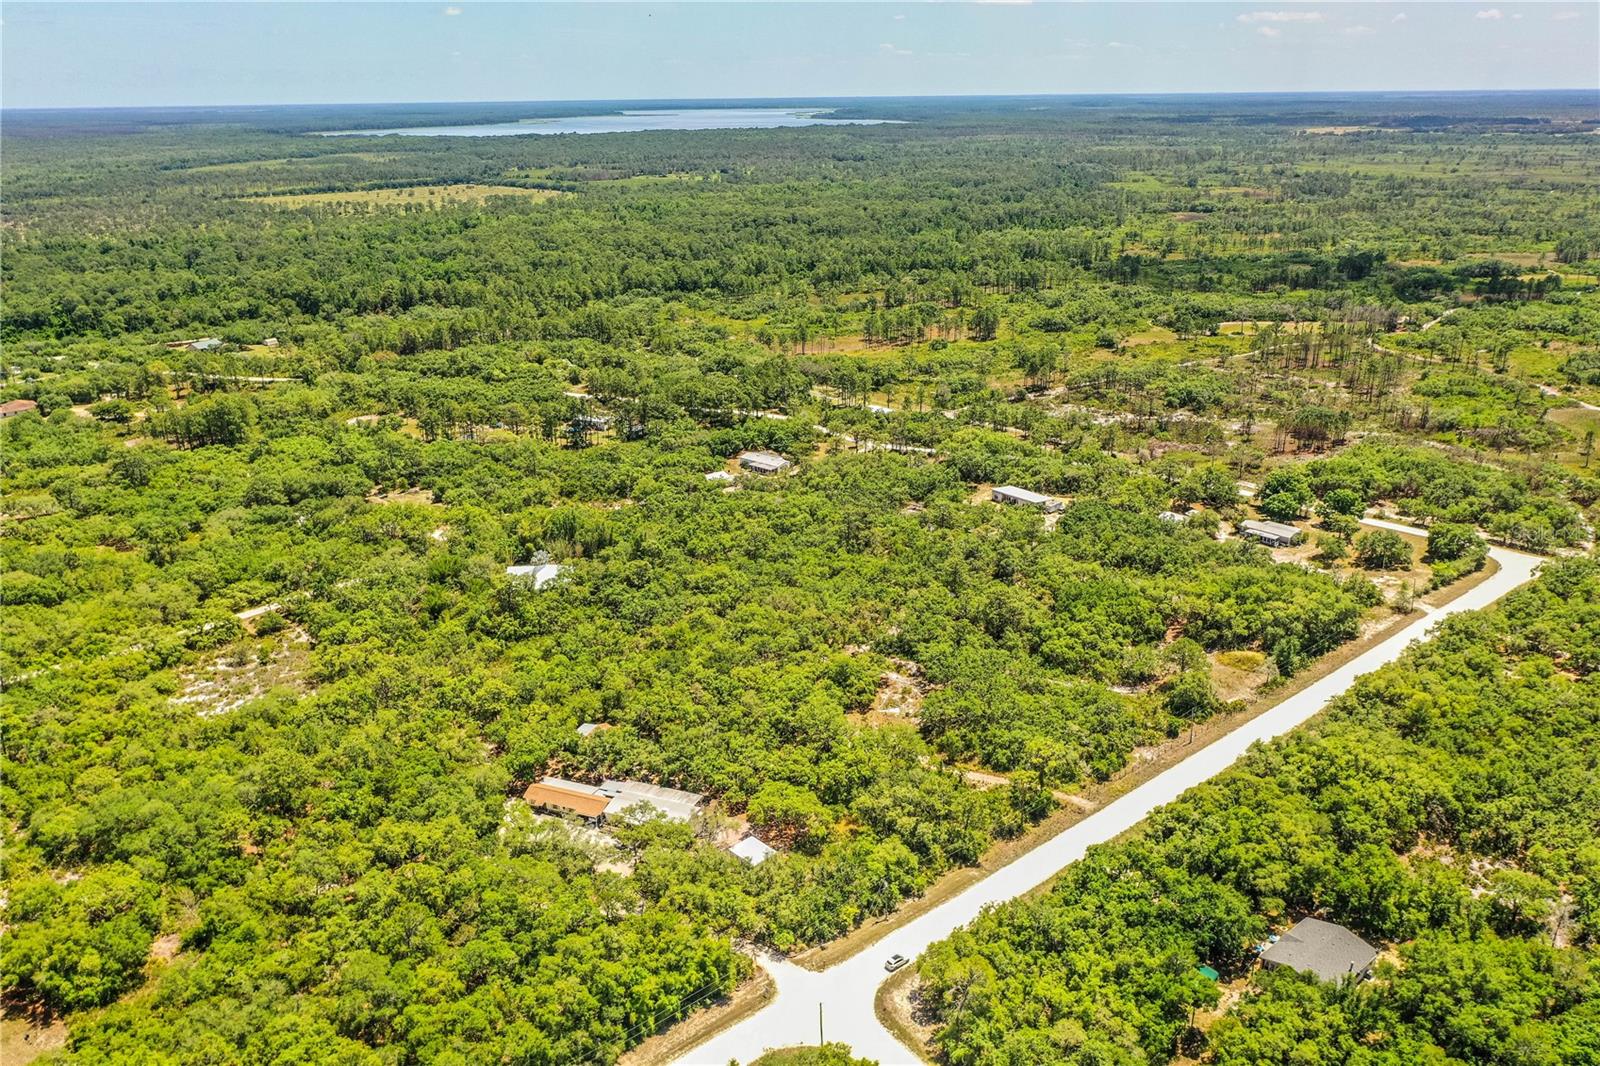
409,196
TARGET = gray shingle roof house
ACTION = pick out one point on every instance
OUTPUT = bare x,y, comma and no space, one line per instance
1328,951
1272,534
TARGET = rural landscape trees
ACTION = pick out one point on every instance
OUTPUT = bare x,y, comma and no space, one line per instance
272,699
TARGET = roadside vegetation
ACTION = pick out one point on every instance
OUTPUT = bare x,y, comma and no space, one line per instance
1444,809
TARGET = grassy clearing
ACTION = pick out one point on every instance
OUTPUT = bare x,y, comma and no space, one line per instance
303,160
1577,421
408,196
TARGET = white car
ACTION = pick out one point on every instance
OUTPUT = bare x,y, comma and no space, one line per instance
895,962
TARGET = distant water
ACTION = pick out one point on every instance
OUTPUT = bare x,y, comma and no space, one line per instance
707,118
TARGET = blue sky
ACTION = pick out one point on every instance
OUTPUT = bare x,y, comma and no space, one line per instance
65,55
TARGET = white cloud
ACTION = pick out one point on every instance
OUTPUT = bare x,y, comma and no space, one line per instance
1269,31
452,11
1565,16
1492,14
1281,16
899,18
1359,31
893,50
1119,44
1399,18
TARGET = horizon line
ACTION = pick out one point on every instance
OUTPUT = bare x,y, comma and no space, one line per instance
1132,93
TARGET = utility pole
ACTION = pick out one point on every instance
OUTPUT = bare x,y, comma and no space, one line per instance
820,1041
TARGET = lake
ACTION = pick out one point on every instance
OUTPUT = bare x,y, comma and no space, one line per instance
707,118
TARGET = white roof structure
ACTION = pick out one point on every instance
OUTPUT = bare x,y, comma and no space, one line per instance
676,804
763,462
1026,497
720,475
1172,516
540,575
590,728
206,344
752,851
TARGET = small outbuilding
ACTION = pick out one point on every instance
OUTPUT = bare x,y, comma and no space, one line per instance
206,344
752,851
1272,534
764,462
1019,497
589,729
1327,951
720,475
1173,516
13,408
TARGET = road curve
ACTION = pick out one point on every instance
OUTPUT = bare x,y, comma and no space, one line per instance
846,992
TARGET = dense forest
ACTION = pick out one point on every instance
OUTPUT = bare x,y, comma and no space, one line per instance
1447,808
289,407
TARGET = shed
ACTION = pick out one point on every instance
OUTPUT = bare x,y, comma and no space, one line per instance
1019,497
589,729
763,462
1327,951
555,794
1272,534
675,804
537,575
12,408
720,475
752,851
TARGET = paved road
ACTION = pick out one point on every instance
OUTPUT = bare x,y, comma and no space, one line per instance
847,990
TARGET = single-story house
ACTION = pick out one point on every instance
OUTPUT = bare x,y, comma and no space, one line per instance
1272,534
675,804
1011,494
538,575
206,344
1327,951
752,851
12,408
592,422
570,797
1172,516
763,462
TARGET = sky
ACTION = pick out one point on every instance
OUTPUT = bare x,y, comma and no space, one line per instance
178,54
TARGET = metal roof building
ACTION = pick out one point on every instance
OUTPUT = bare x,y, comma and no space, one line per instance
1330,952
675,804
763,462
1273,534
1019,497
